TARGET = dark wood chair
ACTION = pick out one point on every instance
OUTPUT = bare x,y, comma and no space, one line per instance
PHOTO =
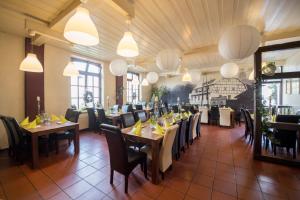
93,122
199,126
127,119
102,119
175,147
285,138
9,136
175,108
214,115
189,131
122,159
243,114
140,115
182,137
250,126
138,107
72,116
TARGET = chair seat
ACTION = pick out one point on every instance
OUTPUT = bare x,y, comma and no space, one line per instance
135,156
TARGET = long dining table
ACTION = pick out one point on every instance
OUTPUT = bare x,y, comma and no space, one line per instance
148,136
46,129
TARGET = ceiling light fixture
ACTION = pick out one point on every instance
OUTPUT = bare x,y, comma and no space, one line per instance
127,46
80,28
145,82
31,64
186,76
71,70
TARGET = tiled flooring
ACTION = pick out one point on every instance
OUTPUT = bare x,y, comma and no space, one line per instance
217,166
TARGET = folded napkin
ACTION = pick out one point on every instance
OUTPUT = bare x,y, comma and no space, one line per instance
25,122
167,123
137,128
32,124
38,119
62,119
54,118
159,129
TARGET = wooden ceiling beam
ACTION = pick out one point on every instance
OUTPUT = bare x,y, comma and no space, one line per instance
271,36
64,12
126,5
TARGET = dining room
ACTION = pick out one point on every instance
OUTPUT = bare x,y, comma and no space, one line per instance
136,99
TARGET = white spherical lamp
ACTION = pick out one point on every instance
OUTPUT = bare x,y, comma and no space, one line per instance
239,42
152,77
80,29
118,67
229,70
168,59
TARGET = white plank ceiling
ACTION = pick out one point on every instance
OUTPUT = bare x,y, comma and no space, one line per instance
188,25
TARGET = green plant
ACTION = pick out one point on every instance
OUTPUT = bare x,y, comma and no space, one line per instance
158,91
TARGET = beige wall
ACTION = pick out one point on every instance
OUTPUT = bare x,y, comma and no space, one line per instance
11,80
146,90
109,82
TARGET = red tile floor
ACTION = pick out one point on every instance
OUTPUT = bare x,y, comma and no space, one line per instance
217,166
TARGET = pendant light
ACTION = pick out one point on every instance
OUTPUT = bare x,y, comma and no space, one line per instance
80,29
229,70
71,70
31,64
127,46
186,76
145,82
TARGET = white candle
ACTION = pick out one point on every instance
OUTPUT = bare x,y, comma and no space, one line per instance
38,98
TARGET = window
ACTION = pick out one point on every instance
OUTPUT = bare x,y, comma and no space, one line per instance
88,82
133,87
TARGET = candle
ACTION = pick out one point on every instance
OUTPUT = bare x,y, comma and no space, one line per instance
38,98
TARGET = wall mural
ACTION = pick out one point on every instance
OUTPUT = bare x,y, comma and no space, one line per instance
223,92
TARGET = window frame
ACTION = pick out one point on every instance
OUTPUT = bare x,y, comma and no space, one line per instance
86,73
138,96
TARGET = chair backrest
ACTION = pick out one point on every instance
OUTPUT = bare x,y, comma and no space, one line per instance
72,115
287,137
124,108
204,114
182,132
195,123
175,109
116,146
16,133
139,107
214,111
127,119
225,117
101,115
115,108
140,115
166,148
92,118
199,122
7,129
249,121
130,108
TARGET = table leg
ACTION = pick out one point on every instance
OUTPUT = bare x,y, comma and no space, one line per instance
35,151
155,162
76,139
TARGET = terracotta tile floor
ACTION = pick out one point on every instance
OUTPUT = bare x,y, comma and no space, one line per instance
218,166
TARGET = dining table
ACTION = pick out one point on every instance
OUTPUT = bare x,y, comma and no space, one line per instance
45,129
150,137
114,117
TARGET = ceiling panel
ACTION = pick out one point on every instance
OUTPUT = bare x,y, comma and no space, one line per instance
158,24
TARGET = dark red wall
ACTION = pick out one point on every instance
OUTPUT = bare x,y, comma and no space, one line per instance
34,82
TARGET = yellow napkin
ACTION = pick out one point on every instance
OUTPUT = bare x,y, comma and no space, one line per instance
159,129
167,123
54,118
25,122
62,119
38,119
137,128
32,124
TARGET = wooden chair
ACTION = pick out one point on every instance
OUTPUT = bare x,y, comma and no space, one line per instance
127,119
214,115
122,159
189,131
72,116
199,125
194,126
140,115
165,154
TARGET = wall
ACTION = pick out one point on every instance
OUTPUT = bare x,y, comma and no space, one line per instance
146,90
57,86
11,80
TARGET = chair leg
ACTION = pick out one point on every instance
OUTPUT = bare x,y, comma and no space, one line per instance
126,184
162,175
145,169
111,176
